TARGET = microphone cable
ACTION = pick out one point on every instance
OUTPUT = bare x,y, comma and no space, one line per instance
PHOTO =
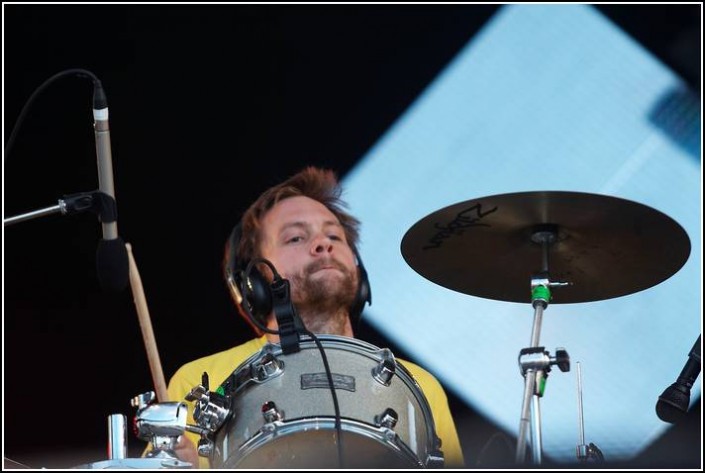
30,101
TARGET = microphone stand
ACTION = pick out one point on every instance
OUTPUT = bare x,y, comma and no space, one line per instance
36,214
97,202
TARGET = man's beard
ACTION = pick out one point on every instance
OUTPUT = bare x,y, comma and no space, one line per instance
323,303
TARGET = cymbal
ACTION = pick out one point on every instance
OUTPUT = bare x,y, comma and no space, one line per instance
490,247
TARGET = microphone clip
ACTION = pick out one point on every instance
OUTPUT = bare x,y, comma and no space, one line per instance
96,202
288,320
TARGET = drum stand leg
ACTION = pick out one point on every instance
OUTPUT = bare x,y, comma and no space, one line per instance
532,373
534,362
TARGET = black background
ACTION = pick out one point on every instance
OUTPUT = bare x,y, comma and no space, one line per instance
209,106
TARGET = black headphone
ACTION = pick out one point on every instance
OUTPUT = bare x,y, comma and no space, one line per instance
256,292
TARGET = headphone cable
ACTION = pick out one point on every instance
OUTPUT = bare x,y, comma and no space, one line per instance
305,331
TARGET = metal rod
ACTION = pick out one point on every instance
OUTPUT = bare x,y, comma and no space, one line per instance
35,214
531,411
544,255
117,437
525,422
536,328
536,443
580,406
530,390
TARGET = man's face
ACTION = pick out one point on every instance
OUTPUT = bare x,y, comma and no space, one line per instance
307,245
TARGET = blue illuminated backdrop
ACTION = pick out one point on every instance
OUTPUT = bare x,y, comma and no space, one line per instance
545,97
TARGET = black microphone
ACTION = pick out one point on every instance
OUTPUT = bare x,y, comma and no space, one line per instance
111,255
673,404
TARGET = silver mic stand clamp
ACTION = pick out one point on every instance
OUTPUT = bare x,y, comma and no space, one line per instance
161,424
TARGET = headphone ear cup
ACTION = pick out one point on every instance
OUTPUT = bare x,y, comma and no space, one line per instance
256,293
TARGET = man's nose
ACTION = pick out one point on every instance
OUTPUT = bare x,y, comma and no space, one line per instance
321,245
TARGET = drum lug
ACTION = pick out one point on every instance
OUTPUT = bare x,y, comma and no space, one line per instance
271,412
205,447
388,418
267,367
435,460
386,368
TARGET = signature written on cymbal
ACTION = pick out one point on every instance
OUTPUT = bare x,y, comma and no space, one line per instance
467,218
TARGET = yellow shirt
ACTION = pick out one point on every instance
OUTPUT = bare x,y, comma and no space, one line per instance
221,365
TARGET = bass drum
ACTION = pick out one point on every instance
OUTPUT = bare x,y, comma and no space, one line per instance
284,416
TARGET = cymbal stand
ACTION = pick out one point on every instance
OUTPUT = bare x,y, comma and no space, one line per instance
535,362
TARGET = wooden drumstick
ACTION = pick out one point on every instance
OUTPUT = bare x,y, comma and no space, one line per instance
150,342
